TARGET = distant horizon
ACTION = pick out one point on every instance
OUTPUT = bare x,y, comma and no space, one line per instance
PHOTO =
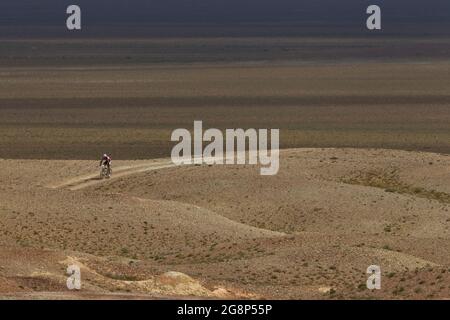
243,29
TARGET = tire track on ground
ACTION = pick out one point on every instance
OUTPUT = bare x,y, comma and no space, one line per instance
85,181
81,182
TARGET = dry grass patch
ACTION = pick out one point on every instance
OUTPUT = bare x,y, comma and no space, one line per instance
390,182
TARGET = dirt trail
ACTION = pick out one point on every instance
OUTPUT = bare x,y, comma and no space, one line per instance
85,181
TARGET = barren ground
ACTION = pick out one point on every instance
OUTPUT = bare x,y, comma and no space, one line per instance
155,231
74,100
364,176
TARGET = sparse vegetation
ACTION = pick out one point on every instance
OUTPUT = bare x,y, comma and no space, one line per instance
390,182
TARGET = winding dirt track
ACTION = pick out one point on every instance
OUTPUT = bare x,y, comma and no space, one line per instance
85,181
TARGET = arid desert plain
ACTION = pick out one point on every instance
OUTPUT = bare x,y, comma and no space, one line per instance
364,173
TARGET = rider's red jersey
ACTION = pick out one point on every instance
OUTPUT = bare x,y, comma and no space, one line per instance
106,159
